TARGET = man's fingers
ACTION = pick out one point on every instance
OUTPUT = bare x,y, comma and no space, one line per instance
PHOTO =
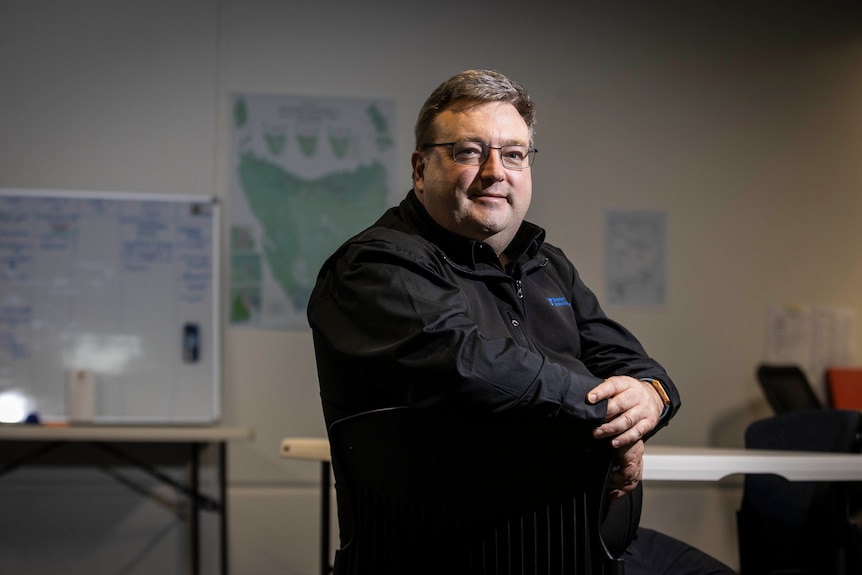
628,469
628,427
608,388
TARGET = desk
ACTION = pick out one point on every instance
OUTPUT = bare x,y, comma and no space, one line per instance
110,439
714,463
661,463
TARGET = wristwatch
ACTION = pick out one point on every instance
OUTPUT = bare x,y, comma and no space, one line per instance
656,384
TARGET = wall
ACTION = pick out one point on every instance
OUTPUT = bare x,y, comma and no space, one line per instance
742,123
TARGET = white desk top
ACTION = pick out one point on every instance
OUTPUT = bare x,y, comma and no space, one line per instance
124,433
665,463
714,463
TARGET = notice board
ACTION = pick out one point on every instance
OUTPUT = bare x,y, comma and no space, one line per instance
122,287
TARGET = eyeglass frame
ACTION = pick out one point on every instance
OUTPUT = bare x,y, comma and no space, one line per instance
531,152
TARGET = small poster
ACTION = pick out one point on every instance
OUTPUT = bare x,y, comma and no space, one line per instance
635,258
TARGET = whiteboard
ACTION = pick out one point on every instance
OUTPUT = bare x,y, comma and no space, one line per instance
122,287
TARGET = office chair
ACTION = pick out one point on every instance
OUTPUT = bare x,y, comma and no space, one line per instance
845,387
422,491
800,528
786,388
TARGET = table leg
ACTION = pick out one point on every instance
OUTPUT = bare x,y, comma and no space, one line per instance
325,482
194,525
222,472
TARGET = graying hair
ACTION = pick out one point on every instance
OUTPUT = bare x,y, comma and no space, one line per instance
474,85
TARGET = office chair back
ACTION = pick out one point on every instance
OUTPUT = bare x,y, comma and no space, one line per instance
787,388
845,387
800,527
424,492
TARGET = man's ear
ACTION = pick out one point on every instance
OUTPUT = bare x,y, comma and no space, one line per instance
418,162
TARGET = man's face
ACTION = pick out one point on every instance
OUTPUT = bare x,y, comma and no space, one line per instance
486,202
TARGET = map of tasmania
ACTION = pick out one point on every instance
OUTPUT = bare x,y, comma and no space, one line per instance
308,174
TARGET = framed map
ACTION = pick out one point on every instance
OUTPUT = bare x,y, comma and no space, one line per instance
307,173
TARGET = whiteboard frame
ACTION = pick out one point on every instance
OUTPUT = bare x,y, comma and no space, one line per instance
215,205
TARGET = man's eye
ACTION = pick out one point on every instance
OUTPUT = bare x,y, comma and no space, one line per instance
469,150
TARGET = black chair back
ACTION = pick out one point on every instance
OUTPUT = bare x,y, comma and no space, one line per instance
433,493
787,388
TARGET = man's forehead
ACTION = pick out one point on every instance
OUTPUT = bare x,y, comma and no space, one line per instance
467,116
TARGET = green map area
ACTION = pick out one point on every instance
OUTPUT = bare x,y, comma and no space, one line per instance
304,221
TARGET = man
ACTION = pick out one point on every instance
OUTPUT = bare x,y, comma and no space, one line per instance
453,299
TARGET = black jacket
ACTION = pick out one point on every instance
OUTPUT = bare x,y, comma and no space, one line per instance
407,313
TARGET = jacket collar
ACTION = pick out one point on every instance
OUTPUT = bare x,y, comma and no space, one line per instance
464,251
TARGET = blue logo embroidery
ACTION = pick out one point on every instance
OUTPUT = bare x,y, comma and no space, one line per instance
559,302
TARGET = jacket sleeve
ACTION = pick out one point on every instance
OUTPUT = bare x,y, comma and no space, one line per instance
609,349
389,318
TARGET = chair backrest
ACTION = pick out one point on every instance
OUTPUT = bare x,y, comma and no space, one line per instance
428,492
845,387
787,388
800,527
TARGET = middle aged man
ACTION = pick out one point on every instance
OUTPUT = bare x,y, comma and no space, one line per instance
453,300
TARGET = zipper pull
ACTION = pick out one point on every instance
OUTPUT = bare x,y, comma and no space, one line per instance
519,289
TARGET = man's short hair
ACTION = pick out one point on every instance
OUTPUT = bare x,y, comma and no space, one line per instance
480,86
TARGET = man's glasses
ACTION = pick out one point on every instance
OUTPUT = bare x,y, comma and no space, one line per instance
476,153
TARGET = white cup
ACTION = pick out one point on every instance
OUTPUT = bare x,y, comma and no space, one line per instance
80,396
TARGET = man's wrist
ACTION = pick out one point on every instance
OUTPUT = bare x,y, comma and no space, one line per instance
660,390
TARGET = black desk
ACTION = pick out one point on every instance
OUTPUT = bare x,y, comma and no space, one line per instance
115,441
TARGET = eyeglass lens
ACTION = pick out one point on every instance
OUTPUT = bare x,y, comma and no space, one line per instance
475,153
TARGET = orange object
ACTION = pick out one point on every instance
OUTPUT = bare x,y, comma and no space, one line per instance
845,387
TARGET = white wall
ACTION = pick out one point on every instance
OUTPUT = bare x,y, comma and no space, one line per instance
742,124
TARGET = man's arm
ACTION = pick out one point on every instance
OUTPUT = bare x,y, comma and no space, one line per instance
640,395
610,351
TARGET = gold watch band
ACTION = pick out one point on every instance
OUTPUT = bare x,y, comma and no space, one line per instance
656,384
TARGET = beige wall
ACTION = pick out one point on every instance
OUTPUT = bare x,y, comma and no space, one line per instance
743,125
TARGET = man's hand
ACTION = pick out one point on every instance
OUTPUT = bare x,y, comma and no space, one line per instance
634,409
627,471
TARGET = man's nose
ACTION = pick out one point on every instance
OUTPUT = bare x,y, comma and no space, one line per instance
492,167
